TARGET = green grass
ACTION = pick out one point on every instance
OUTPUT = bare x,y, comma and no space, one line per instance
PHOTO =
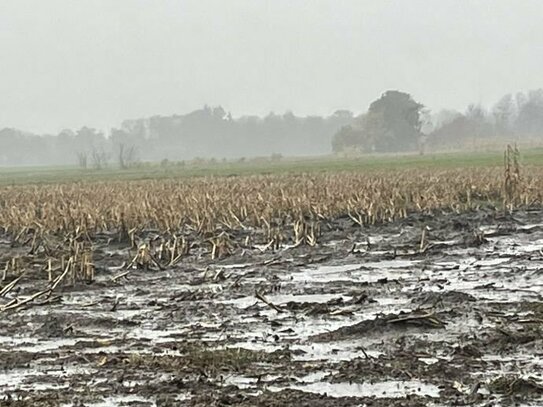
48,175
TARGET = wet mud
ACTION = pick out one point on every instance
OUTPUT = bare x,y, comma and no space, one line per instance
433,310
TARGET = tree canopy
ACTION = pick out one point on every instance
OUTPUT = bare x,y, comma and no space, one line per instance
391,124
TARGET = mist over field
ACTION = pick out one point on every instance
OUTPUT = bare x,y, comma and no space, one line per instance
105,83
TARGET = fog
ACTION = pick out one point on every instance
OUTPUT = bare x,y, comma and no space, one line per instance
66,64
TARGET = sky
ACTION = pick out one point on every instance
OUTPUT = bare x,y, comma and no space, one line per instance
69,63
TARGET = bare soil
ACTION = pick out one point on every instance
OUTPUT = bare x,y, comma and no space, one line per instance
370,316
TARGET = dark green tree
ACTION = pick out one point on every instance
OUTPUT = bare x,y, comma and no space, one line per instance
394,122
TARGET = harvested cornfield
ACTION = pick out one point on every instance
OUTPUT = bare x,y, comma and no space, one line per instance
415,287
208,205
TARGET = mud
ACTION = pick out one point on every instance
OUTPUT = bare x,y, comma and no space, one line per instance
369,316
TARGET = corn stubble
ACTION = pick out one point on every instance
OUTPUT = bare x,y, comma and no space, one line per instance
163,220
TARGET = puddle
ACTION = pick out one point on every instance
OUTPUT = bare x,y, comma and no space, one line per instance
333,351
366,272
429,361
118,400
386,389
18,379
281,299
24,344
242,382
316,351
491,262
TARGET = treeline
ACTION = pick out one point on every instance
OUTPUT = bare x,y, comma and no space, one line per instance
514,118
208,133
397,123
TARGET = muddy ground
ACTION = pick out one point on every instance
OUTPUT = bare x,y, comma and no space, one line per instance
368,317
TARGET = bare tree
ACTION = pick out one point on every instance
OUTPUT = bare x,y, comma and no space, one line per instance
99,158
128,156
82,160
504,113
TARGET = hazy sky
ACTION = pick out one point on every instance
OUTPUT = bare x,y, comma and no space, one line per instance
67,63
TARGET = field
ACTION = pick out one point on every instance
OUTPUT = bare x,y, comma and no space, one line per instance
391,281
262,166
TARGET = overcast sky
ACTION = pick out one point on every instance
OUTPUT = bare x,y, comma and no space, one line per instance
68,63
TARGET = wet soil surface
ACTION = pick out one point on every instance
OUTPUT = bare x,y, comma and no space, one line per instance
370,316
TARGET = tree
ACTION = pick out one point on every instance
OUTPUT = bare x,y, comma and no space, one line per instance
395,121
392,124
476,113
347,138
82,159
343,114
529,121
127,156
479,123
455,134
99,158
504,114
463,131
89,139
